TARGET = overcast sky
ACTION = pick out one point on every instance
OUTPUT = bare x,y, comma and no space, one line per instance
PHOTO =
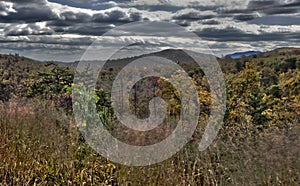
62,29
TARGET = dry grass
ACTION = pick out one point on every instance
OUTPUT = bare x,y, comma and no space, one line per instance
40,145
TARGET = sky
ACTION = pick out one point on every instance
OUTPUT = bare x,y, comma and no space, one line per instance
62,30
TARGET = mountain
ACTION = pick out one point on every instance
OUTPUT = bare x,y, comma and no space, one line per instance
228,63
241,54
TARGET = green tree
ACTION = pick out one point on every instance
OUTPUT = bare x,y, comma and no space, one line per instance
53,85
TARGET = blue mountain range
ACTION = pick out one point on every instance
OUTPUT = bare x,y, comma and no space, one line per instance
241,54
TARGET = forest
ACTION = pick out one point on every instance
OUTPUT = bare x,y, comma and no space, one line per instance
258,144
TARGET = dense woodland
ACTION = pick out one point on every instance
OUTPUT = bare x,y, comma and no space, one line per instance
257,145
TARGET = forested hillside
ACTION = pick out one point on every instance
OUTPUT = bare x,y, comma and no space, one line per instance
258,143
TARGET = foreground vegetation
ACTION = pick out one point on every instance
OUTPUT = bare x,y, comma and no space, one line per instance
41,145
257,145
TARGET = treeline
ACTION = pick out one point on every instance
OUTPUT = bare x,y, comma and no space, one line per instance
262,90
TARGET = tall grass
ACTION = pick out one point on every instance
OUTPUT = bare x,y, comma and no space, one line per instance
40,145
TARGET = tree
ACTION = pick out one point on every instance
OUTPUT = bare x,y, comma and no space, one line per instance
246,98
53,85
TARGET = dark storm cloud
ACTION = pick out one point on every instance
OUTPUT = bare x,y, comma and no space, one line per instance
88,29
68,21
281,10
29,15
59,23
28,11
272,7
96,1
145,29
36,11
228,34
226,12
193,16
277,20
268,7
246,17
234,34
96,25
94,5
254,4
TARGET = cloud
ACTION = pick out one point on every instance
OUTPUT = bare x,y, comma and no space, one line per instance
90,29
61,19
246,17
210,22
27,29
191,3
82,1
183,23
27,1
193,15
239,35
6,8
277,20
262,4
27,11
186,16
272,7
227,34
70,16
116,15
63,40
59,26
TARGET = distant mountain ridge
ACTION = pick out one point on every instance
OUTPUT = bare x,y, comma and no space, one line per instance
241,54
176,55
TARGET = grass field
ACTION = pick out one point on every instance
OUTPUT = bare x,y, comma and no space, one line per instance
41,145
